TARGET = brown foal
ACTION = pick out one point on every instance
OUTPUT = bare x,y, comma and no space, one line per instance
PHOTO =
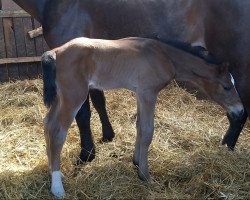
144,66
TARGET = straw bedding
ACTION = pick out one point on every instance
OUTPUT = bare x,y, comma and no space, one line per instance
186,159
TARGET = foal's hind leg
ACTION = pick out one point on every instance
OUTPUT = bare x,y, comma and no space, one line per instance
137,141
57,124
55,134
146,101
98,101
48,122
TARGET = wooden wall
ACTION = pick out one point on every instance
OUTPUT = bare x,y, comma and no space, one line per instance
9,5
17,50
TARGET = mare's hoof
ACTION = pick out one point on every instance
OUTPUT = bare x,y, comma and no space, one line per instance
86,156
230,144
108,133
136,163
145,179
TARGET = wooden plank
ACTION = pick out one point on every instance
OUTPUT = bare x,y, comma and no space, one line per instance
38,41
10,14
2,42
30,47
10,45
20,60
39,46
9,37
45,46
3,68
35,33
20,46
9,5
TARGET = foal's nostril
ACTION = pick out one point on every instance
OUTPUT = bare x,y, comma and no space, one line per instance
237,111
238,114
243,113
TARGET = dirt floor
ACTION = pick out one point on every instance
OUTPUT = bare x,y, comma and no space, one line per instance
186,158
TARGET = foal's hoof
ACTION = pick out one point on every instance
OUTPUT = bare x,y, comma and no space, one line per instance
108,133
56,184
58,192
86,156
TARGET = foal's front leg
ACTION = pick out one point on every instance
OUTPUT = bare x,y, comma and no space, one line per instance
146,101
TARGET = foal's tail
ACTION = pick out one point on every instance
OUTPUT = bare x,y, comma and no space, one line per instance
49,77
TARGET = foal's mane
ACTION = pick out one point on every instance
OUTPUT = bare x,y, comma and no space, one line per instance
198,51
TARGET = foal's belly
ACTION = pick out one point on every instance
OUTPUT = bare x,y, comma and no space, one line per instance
99,85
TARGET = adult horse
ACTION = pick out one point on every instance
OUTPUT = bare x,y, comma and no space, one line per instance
220,26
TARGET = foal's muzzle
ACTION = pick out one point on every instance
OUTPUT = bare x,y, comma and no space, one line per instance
236,112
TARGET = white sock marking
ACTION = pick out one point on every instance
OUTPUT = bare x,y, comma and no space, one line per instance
56,184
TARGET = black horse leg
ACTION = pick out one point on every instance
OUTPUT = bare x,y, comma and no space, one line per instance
87,144
98,101
237,122
236,125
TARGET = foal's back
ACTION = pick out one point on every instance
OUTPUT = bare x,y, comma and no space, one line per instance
126,63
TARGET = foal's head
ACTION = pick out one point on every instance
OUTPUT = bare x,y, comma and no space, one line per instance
209,74
216,82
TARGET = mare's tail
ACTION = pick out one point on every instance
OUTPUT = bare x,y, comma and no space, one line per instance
49,77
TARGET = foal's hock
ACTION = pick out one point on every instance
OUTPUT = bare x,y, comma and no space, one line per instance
141,65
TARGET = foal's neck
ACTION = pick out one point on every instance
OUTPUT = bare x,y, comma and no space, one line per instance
187,65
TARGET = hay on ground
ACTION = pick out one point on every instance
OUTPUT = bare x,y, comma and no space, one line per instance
186,158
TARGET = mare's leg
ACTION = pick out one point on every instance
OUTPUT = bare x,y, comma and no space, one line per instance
98,100
237,123
146,101
83,122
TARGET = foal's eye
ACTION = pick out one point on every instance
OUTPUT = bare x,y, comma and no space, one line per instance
227,88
